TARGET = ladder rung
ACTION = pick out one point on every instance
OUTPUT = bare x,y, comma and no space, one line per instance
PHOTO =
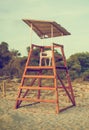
39,76
39,67
36,100
36,88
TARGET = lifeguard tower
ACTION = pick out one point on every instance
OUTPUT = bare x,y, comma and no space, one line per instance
45,70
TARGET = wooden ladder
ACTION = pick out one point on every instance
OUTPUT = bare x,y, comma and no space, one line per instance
35,75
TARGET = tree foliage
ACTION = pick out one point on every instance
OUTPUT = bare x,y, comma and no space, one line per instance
4,54
78,65
12,64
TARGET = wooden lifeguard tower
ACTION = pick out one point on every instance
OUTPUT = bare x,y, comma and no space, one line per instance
46,68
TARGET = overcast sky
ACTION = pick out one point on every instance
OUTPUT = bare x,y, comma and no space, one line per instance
71,14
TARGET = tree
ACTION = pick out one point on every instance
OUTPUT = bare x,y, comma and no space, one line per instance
9,61
15,53
28,49
4,54
3,47
78,64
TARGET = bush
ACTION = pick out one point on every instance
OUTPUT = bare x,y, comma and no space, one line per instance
85,76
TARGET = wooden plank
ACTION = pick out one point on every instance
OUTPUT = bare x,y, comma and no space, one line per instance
39,67
39,76
42,27
36,88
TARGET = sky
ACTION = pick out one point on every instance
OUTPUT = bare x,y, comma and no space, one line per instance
73,15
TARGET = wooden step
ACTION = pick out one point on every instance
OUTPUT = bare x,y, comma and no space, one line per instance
39,76
39,67
36,88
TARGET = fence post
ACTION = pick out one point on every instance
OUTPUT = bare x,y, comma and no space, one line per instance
4,89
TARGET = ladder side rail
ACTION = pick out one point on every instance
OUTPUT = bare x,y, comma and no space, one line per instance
22,80
26,67
39,84
65,64
64,87
55,80
27,62
68,76
31,83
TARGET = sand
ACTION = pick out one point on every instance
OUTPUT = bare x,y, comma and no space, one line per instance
42,116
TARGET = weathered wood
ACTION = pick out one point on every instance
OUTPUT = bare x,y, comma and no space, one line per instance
3,88
3,84
36,88
39,76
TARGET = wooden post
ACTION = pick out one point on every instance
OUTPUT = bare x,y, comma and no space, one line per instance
4,89
31,35
51,35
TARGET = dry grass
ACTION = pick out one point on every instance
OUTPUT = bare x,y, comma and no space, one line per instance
41,116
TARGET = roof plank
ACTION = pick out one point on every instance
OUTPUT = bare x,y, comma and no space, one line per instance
43,28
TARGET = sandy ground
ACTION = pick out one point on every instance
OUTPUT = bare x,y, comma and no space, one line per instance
42,116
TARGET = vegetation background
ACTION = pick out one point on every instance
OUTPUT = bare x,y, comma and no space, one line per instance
12,63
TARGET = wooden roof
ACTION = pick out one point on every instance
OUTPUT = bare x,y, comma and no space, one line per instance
43,28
